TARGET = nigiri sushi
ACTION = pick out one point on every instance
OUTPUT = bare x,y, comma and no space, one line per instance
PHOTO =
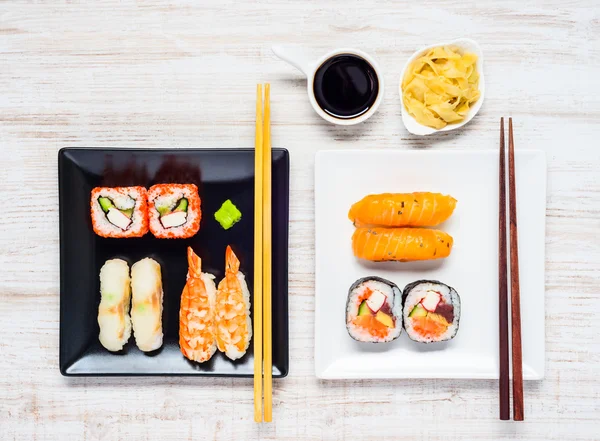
402,210
113,312
232,318
174,210
197,334
147,304
401,244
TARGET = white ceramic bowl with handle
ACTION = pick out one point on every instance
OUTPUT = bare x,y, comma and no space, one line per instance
297,57
466,45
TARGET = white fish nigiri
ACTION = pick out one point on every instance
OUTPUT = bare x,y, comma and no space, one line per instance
115,297
147,304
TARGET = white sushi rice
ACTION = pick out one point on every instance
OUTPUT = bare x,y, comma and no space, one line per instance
156,199
393,300
231,351
123,198
169,200
416,294
123,202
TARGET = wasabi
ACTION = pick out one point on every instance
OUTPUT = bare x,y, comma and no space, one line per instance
228,215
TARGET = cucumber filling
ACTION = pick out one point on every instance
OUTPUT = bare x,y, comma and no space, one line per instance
418,311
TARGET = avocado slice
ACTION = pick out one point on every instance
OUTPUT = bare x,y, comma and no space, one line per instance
128,212
163,209
384,318
363,309
418,311
182,205
105,203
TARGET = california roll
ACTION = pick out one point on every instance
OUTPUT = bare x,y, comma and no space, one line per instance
174,210
119,211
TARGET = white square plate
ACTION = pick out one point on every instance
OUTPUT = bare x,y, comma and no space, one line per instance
344,177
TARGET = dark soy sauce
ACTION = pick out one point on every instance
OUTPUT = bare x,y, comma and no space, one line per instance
346,86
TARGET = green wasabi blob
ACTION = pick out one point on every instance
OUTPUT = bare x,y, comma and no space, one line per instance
228,214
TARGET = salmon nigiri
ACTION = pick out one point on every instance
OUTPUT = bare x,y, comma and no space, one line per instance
400,244
197,336
234,328
402,210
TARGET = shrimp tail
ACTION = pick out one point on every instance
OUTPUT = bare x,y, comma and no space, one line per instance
232,263
194,263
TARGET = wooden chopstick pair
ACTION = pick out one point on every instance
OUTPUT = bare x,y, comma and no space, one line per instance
517,356
263,360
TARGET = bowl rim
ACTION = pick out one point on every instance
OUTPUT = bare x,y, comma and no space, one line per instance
409,121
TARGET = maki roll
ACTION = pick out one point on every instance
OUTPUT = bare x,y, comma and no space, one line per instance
431,311
174,210
119,211
374,310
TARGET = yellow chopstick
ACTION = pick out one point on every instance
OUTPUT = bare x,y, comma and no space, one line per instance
267,337
258,244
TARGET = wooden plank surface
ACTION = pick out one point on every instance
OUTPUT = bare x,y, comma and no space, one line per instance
183,74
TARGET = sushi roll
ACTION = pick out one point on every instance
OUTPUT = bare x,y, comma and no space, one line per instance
119,211
232,313
431,311
374,310
147,304
113,312
174,210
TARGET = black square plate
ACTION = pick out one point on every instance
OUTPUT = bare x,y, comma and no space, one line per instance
220,174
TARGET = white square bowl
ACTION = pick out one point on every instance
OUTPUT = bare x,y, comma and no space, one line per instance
344,177
467,45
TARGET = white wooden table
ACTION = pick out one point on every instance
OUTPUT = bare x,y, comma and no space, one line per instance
183,74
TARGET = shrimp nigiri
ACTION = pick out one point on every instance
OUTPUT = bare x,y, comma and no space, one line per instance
401,244
402,210
232,318
197,335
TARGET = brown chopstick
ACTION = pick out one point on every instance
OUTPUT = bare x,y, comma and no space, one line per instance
502,285
517,355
